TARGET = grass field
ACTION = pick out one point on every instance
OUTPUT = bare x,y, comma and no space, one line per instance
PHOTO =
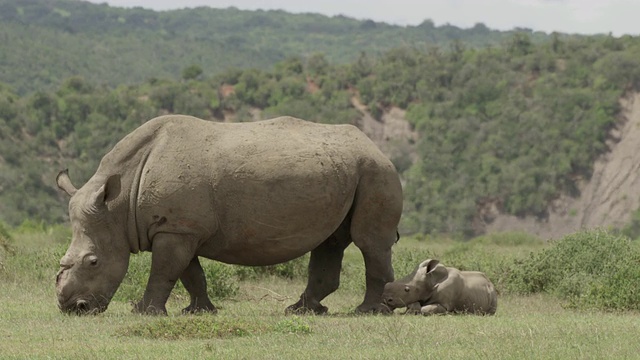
251,324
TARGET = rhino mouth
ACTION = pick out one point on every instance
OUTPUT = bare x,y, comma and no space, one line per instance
393,303
80,306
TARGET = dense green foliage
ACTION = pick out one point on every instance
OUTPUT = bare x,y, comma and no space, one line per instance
593,269
512,126
115,46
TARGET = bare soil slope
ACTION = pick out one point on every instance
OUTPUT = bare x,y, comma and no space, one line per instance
606,200
393,134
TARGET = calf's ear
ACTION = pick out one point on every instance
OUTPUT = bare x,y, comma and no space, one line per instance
429,265
423,273
431,272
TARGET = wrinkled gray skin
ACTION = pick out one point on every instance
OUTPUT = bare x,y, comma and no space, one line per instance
435,289
251,194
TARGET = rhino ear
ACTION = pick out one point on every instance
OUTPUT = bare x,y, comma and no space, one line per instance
64,182
424,269
430,265
109,191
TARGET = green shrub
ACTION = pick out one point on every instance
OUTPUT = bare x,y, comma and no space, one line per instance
590,269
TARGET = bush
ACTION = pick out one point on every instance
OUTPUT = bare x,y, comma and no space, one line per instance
589,270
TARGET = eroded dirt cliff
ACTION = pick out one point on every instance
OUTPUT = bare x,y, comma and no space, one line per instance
607,199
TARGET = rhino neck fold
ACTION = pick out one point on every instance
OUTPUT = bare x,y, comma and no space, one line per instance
137,240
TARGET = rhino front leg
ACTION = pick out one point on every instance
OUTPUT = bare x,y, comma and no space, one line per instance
324,273
433,309
414,308
195,282
171,254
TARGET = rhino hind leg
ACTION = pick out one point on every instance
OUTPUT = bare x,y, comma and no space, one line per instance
374,224
378,271
324,272
194,281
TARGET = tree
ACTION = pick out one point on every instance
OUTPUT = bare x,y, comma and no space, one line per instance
191,72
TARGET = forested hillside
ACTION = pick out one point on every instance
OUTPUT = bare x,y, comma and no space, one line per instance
513,125
43,42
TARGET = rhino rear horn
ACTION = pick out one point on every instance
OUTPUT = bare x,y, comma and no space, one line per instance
64,182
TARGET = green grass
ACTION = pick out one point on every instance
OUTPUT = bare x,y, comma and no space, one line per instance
251,323
251,327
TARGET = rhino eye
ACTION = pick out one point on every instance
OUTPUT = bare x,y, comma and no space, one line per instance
406,289
91,260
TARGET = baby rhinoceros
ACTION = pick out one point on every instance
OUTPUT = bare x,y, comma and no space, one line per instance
435,289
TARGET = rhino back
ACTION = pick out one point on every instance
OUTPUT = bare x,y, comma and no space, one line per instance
480,293
255,193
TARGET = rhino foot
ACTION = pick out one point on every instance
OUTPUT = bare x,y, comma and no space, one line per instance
374,309
140,308
196,309
300,308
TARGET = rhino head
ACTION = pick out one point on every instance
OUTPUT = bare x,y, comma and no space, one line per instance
415,287
98,256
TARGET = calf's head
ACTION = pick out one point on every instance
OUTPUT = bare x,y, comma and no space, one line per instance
417,286
98,256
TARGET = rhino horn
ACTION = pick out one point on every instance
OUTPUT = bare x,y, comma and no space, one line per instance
64,182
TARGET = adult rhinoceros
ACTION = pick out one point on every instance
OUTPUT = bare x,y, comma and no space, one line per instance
251,194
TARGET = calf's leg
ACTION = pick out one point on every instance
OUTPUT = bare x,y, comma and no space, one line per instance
433,309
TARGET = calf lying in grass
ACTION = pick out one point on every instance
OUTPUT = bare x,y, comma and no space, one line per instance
435,289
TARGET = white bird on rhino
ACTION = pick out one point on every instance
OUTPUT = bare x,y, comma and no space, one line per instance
251,194
435,289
